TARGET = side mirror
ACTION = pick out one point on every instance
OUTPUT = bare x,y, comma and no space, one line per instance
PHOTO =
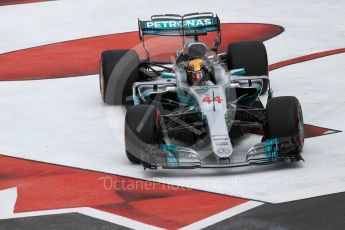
216,43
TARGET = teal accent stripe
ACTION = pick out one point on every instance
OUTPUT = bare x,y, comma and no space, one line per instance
269,145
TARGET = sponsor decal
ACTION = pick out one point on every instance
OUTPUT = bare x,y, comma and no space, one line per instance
222,144
223,151
168,147
176,24
203,87
220,139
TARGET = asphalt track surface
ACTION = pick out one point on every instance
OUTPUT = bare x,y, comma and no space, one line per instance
68,221
324,212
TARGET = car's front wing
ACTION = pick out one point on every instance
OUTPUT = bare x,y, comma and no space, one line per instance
267,152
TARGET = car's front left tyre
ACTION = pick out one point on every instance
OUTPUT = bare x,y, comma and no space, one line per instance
141,133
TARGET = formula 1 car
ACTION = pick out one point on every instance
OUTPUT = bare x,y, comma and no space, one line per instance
189,113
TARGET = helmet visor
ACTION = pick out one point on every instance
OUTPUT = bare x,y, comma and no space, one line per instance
196,76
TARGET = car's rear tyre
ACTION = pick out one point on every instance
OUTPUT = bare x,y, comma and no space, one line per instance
119,69
250,55
141,132
284,118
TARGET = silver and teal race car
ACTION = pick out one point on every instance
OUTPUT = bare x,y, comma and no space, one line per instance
192,111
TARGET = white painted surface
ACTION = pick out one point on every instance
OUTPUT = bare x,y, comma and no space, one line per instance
222,215
63,121
8,199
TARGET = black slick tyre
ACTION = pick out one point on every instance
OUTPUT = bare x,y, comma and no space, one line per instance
284,118
250,55
141,133
118,70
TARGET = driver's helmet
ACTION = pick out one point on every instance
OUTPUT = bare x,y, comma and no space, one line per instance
194,71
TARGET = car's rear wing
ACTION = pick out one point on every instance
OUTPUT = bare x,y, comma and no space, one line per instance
193,24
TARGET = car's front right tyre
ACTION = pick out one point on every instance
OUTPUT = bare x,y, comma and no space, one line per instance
284,119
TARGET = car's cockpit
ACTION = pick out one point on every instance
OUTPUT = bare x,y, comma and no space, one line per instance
200,64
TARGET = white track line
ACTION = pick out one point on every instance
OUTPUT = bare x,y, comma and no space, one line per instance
223,215
8,199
